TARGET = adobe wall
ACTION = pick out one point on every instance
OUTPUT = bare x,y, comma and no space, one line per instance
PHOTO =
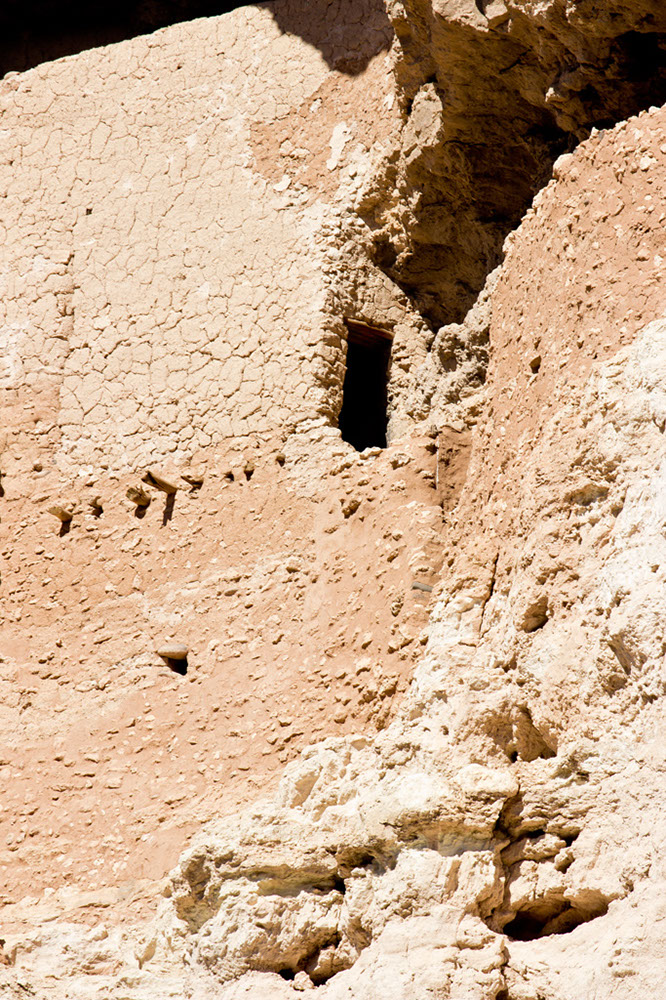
173,276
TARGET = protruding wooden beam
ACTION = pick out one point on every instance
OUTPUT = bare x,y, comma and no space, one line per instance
138,496
159,482
62,513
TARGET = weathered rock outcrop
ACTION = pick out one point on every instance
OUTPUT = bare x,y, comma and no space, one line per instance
178,274
493,92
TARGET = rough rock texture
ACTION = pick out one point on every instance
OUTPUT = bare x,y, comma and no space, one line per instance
493,92
495,831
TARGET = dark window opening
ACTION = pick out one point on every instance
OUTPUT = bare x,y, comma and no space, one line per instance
177,666
363,417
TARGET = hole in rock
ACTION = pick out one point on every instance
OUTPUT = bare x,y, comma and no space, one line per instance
339,884
321,965
363,417
177,666
287,974
536,615
555,916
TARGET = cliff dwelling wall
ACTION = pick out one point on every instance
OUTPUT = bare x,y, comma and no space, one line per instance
42,30
165,287
180,269
192,224
454,643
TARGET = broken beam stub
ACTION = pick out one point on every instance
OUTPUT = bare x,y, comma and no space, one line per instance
62,513
173,651
159,482
193,479
138,496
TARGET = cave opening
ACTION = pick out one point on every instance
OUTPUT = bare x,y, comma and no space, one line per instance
364,418
554,916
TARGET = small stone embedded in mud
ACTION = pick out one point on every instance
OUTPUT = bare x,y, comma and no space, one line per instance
350,506
173,651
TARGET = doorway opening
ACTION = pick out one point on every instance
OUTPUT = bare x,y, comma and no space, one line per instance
363,417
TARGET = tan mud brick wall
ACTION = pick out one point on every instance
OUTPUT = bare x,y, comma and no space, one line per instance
163,274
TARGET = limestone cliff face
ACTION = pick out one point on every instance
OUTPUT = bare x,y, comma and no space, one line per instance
495,831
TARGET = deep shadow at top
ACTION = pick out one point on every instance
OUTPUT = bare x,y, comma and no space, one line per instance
347,32
35,31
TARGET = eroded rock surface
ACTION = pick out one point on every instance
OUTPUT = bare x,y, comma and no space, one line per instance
504,798
493,92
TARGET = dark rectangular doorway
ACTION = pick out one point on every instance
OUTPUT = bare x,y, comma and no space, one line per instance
363,417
